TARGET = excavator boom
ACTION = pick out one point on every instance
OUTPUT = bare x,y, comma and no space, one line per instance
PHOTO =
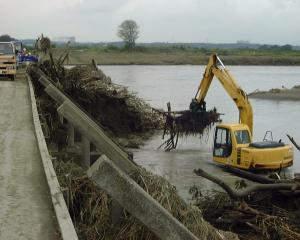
215,67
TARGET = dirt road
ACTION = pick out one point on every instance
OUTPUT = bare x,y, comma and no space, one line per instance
26,210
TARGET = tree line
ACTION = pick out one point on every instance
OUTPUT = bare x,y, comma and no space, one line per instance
6,38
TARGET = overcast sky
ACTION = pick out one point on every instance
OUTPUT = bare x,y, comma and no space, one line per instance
218,21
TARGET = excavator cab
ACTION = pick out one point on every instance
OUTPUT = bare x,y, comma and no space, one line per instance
228,138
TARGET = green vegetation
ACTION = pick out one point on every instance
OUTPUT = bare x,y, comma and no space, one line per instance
175,53
180,54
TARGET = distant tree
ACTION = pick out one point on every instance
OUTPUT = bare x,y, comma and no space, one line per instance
263,47
275,47
129,32
6,38
287,47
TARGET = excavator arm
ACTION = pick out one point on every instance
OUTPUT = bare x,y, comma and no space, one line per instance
216,68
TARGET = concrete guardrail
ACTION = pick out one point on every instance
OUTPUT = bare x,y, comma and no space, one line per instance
65,223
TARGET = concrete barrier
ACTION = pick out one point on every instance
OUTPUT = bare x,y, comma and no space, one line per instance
87,127
97,136
62,214
136,201
57,95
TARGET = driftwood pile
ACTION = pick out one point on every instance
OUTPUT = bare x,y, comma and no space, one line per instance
269,209
259,217
119,111
90,208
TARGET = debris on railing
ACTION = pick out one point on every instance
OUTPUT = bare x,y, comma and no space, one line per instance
121,112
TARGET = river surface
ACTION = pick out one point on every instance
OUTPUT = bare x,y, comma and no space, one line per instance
178,84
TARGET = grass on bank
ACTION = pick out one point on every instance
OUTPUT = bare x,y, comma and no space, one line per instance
177,55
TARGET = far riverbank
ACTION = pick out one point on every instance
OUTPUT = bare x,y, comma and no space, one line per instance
184,57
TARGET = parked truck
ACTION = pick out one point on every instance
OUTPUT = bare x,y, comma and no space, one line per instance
8,60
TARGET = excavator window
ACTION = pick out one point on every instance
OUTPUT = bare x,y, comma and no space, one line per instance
242,136
222,143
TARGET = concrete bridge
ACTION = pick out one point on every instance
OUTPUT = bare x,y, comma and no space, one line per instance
26,209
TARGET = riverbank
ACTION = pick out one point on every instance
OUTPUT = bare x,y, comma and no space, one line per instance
104,56
283,94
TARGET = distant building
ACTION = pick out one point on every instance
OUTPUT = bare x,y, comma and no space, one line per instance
242,42
64,39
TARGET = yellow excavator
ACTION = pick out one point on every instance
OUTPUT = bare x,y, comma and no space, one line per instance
233,142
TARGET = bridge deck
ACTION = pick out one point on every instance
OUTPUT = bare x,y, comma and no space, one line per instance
26,211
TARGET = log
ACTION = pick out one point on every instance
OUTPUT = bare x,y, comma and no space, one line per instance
235,194
252,176
293,142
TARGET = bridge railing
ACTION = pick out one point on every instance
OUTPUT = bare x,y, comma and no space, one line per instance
62,214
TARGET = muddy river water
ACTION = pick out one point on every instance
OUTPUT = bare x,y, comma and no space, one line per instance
178,84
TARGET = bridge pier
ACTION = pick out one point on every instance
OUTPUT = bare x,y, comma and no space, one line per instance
86,152
71,134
